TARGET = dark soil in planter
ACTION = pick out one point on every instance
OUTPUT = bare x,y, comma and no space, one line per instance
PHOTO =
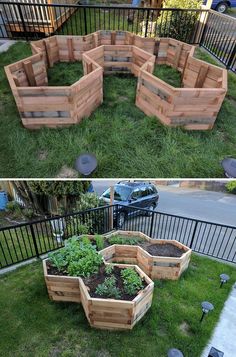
163,250
95,279
54,271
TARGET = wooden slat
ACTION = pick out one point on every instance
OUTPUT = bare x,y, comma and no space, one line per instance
29,72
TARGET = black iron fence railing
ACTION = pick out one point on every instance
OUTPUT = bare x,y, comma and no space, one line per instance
34,20
219,38
25,241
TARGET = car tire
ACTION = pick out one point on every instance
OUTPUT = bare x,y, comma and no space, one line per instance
121,220
222,7
151,209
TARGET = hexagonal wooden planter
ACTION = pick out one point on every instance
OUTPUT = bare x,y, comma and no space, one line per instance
156,267
61,288
117,314
101,313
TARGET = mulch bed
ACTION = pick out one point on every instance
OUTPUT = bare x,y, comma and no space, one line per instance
163,250
95,279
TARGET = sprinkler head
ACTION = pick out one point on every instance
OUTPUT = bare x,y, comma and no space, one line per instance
86,163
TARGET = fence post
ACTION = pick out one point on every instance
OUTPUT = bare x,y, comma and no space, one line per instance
147,21
193,235
151,226
231,58
22,20
85,22
34,240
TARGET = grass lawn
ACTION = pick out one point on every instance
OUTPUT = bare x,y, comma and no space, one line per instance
126,142
36,326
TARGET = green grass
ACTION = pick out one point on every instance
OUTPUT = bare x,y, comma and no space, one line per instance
64,74
36,326
126,142
168,74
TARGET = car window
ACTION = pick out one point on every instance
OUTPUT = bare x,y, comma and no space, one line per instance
152,190
121,193
136,194
144,191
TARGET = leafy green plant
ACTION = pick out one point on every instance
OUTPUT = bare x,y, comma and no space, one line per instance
108,288
231,187
28,213
99,241
85,266
131,280
79,258
58,259
122,240
109,269
86,240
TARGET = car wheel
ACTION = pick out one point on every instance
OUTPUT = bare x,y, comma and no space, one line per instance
151,209
222,7
121,220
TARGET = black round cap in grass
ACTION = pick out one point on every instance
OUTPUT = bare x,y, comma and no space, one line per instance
86,163
207,306
173,352
229,166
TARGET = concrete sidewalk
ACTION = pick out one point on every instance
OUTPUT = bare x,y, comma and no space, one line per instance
224,335
5,44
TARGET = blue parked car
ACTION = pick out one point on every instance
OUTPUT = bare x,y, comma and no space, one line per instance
222,6
138,194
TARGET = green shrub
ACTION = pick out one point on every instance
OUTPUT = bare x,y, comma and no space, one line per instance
13,207
99,240
231,187
122,240
177,25
131,280
28,213
108,288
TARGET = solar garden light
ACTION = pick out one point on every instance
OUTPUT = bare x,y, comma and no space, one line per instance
223,279
206,307
173,352
86,163
215,353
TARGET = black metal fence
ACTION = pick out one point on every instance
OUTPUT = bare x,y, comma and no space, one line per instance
25,241
30,21
219,38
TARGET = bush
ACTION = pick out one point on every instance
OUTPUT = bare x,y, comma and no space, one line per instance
231,187
177,25
13,207
131,280
28,213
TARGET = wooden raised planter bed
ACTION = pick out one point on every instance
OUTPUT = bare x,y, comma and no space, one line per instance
117,314
195,106
61,288
101,313
156,267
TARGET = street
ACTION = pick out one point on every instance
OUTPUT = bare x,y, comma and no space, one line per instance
211,206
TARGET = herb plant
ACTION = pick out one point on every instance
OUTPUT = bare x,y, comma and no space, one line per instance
99,240
108,288
122,240
109,269
58,259
131,280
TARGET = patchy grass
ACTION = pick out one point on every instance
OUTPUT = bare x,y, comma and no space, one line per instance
65,74
126,142
34,325
168,74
